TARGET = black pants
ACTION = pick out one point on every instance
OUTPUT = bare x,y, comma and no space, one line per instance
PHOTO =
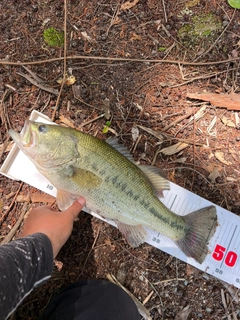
91,300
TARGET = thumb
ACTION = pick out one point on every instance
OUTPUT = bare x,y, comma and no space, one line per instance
76,207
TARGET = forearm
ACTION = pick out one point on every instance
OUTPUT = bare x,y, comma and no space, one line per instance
25,263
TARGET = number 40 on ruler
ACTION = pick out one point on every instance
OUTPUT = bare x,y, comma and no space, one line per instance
220,253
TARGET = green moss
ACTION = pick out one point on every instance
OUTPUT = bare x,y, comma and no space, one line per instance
201,27
53,37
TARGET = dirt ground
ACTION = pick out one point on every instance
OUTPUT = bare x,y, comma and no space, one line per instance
124,57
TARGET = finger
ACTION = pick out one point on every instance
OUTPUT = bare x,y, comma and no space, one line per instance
76,207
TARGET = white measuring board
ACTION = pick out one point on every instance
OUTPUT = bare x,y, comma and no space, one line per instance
223,260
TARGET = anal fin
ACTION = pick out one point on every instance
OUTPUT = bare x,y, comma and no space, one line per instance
135,235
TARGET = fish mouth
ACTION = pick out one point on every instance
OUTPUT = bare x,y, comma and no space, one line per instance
27,137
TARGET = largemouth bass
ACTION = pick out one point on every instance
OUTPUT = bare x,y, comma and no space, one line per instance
115,187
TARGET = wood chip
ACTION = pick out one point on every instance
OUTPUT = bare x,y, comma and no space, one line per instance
10,195
135,133
35,197
228,122
148,297
221,100
23,198
214,175
66,121
220,156
6,149
38,197
128,5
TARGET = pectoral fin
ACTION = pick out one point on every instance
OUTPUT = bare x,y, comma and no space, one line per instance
81,180
65,199
135,235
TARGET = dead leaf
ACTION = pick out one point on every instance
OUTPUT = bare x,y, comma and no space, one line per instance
234,53
86,37
6,149
214,175
69,80
58,264
231,179
164,84
22,198
192,3
184,313
221,100
110,244
174,148
228,122
66,121
220,156
117,20
128,4
10,195
190,270
135,133
135,37
156,134
180,160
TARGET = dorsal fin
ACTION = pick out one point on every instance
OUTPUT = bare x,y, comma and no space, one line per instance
155,176
112,141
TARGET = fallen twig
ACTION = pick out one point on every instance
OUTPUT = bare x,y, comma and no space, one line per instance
64,61
37,83
162,135
177,121
80,57
10,207
11,234
89,253
234,292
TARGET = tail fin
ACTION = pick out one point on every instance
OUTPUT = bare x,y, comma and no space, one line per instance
201,225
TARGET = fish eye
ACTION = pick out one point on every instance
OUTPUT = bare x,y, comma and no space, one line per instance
42,128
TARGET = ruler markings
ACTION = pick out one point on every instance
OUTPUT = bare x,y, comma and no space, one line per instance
174,199
228,245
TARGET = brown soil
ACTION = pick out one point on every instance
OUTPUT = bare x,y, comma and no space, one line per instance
152,95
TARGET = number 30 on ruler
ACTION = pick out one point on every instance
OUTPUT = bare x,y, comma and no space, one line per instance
220,254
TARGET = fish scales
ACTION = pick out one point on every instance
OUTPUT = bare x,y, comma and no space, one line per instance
114,186
124,173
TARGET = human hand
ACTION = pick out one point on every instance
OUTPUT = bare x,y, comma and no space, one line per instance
57,226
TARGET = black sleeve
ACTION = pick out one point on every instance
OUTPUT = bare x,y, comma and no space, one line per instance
24,264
